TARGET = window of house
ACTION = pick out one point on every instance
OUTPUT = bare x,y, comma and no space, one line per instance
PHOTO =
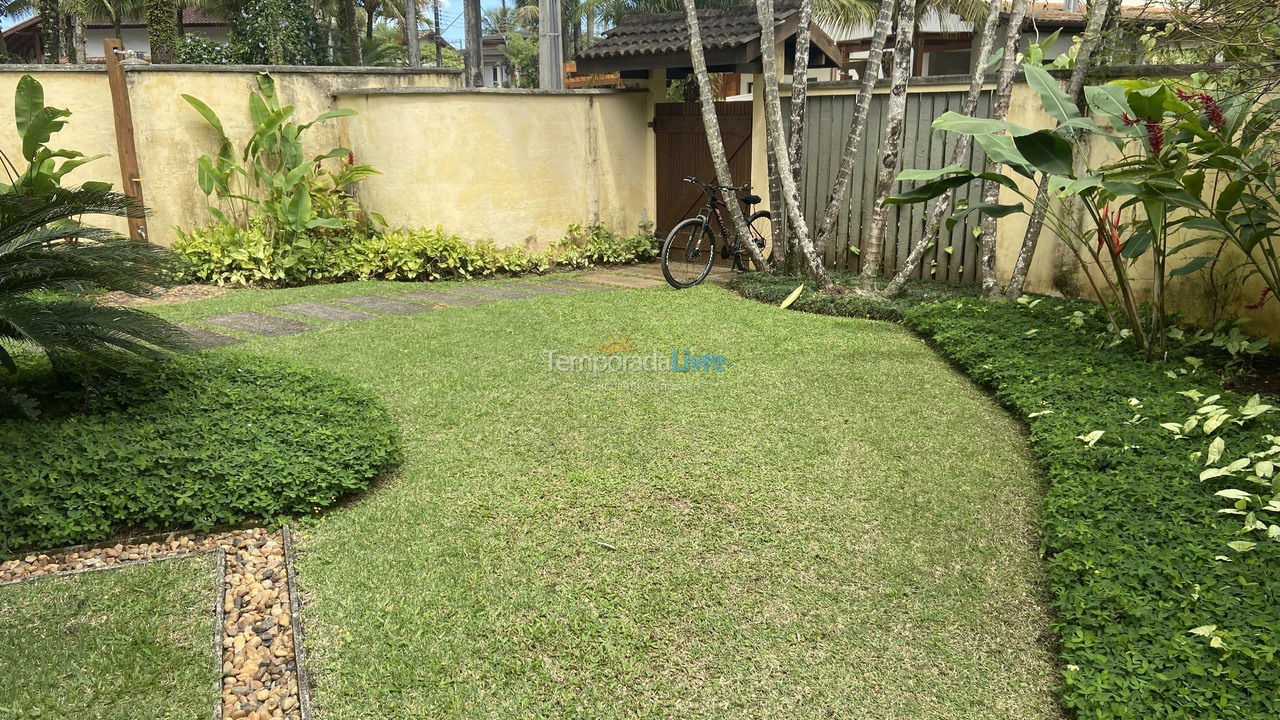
949,62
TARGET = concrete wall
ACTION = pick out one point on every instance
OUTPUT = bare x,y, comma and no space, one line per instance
513,167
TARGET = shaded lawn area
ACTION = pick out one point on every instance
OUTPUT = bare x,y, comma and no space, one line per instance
838,525
111,645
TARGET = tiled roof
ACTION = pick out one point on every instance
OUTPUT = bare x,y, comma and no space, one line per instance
1055,15
666,33
190,16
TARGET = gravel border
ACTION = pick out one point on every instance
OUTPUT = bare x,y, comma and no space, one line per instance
260,673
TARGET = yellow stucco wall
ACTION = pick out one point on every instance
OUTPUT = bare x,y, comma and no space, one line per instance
170,135
515,168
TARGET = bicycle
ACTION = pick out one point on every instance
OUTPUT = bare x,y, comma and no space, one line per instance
690,248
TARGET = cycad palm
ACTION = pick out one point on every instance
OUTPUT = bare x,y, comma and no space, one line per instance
51,265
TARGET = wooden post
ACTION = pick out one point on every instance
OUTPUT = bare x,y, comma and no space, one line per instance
130,177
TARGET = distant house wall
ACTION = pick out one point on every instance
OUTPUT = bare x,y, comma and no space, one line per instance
135,38
170,135
512,167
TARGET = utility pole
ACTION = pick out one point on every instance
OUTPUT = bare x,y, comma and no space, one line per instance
435,23
550,46
475,60
411,32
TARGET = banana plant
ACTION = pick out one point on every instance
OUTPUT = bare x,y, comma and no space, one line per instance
271,177
1134,205
46,167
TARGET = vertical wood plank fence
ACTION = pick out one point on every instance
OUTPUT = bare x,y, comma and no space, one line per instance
953,258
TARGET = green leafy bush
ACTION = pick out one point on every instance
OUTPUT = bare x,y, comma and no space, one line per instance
200,50
197,442
773,289
226,254
1133,542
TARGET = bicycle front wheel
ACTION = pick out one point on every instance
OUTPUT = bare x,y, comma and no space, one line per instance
688,253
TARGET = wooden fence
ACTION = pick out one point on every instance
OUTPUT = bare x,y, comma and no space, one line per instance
954,257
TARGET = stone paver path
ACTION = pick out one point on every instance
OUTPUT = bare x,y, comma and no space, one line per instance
325,311
258,324
446,299
385,304
203,339
418,302
629,281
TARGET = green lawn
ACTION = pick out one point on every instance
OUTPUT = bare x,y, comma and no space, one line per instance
838,525
111,645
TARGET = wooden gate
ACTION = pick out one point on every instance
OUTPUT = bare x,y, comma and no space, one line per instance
682,151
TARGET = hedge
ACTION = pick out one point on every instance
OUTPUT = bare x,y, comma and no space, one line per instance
1135,550
196,442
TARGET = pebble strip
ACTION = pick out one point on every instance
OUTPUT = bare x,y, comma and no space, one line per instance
259,668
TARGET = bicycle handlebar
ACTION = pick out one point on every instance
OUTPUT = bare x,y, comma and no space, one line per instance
712,186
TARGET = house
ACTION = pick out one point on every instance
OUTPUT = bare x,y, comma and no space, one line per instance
23,39
944,43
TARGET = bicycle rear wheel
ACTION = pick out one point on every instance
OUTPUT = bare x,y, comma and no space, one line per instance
688,253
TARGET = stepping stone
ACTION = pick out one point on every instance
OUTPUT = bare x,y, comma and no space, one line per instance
386,304
207,339
647,270
542,288
258,324
499,292
438,298
324,311
629,281
575,285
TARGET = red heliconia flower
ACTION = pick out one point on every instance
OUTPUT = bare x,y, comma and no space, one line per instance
351,158
317,165
1213,110
1128,120
1155,137
1109,231
1261,299
1185,95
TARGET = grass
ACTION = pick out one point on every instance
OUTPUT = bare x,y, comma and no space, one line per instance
111,645
838,524
773,289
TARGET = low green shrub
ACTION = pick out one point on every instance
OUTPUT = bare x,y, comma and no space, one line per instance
196,442
773,289
1134,546
228,255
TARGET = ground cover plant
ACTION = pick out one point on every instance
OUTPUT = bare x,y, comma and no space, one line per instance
1158,611
195,442
775,289
111,645
612,544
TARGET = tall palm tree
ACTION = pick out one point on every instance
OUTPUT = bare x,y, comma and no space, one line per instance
113,11
51,268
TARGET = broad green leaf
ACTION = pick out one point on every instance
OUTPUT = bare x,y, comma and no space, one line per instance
1242,545
1047,152
1000,149
928,191
1234,494
1056,102
1108,100
1204,630
1215,451
1229,196
951,121
207,113
1192,266
930,174
28,100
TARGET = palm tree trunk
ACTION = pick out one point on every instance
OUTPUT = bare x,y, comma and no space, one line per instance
715,141
474,57
942,207
778,144
895,118
799,87
349,33
1000,111
50,32
1098,13
115,25
370,13
69,36
162,29
858,125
